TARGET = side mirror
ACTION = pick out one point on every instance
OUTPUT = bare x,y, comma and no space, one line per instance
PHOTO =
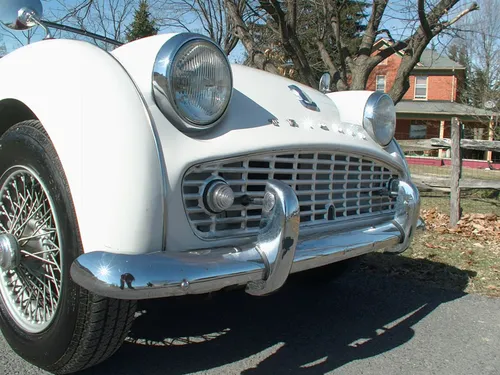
324,83
20,14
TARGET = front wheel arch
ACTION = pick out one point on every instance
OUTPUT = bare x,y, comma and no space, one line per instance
86,329
13,111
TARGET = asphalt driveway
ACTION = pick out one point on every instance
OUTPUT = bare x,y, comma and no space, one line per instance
359,324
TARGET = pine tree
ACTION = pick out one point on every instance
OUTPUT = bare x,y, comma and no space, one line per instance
143,25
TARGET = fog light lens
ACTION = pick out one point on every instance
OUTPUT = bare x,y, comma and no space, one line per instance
268,202
219,196
393,187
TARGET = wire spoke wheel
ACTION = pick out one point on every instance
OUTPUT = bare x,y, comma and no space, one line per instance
31,259
45,317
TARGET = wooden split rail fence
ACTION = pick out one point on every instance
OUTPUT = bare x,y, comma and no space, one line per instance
455,182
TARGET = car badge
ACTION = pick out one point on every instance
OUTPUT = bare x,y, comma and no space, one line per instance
292,123
274,121
304,99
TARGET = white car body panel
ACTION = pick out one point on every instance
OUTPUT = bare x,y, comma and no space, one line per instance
130,219
246,128
351,105
102,134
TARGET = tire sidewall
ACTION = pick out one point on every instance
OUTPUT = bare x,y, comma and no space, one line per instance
29,146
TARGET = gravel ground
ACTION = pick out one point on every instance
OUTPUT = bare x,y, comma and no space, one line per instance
358,324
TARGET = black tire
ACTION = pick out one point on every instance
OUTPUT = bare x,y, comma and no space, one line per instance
86,329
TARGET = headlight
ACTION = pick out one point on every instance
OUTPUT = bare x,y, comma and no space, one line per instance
192,82
379,118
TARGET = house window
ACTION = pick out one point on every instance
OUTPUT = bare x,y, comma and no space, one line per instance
380,83
420,87
418,131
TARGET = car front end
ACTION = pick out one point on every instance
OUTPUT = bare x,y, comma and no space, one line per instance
262,177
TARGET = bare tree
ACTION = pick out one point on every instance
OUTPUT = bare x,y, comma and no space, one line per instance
108,18
207,17
433,21
256,55
19,38
477,45
424,21
480,37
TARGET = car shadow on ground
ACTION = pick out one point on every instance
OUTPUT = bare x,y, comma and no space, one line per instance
305,328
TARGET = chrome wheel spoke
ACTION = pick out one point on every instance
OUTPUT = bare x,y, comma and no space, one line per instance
33,236
30,287
41,259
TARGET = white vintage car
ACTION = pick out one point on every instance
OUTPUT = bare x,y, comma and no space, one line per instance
161,170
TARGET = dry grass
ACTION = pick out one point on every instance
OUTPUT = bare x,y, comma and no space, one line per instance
461,261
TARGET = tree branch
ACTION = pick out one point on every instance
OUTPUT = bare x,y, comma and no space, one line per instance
423,19
445,25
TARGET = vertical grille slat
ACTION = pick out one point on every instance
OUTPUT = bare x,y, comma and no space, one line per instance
331,187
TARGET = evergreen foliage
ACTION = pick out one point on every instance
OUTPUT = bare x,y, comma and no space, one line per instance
143,25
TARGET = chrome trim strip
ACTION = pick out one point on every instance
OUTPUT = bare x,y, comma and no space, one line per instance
262,266
407,214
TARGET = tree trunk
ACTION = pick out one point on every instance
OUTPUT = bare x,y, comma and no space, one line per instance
411,57
287,23
360,72
240,30
337,82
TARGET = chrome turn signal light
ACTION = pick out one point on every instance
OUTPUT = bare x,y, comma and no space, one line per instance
218,196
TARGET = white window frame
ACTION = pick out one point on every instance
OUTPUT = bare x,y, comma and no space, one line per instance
376,82
421,85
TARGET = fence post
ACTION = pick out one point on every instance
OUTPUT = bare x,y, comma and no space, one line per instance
456,172
491,137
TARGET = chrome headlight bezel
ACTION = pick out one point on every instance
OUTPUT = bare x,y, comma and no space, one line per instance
372,122
162,81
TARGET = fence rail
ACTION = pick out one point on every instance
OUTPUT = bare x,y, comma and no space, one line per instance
453,181
444,143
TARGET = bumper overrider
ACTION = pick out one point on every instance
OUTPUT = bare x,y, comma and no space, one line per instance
263,266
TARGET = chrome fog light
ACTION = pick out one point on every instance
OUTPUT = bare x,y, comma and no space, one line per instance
268,202
393,187
404,200
218,196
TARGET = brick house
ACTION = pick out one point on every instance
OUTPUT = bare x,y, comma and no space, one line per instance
432,100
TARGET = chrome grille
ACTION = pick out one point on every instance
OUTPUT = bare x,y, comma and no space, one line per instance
331,188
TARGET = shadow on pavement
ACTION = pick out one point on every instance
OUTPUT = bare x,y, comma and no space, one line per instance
303,329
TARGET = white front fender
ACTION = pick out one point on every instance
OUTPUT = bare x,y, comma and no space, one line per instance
103,135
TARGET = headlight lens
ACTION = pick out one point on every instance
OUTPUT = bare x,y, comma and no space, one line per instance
379,118
192,82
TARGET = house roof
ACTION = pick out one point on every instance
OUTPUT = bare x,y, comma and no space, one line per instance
441,110
432,59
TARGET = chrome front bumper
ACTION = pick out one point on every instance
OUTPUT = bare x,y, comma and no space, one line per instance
262,266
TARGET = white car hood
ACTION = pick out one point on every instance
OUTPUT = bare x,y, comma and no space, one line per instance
258,99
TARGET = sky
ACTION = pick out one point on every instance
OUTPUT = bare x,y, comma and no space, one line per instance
15,39
394,13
